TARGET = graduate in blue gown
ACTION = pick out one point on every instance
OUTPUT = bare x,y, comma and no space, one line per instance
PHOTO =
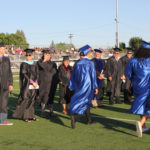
83,83
138,71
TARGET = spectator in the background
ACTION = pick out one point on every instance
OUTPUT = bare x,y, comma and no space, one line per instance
6,85
138,71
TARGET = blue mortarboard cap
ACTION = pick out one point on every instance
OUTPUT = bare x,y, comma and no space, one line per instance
146,45
85,49
98,50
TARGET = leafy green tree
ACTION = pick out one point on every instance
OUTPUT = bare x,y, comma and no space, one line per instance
17,39
63,46
122,46
2,38
135,42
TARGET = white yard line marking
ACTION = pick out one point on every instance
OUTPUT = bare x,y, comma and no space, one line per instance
95,116
16,80
15,75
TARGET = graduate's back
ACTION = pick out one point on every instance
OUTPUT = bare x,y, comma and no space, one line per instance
138,70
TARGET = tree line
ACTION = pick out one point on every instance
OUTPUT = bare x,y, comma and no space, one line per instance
16,40
19,40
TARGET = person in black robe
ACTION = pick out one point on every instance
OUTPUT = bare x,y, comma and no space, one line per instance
28,89
100,71
64,76
114,74
126,85
46,73
6,85
52,92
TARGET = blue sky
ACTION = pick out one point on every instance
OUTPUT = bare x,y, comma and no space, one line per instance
91,21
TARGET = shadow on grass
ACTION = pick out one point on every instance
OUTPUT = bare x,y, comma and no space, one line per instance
112,124
117,109
55,119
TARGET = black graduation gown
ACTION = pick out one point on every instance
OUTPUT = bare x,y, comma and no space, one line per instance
64,76
46,72
124,61
6,79
114,70
54,83
26,100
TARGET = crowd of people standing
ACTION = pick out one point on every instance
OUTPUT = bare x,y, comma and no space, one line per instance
78,85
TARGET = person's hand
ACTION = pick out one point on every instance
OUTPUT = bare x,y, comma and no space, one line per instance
10,88
96,91
35,84
101,76
110,78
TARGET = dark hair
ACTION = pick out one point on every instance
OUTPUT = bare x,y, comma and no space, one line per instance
42,58
2,44
142,53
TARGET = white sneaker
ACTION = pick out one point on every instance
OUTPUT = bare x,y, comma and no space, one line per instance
6,124
145,129
138,129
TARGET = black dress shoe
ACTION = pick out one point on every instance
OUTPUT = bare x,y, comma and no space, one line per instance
111,102
52,114
119,102
101,106
73,121
91,122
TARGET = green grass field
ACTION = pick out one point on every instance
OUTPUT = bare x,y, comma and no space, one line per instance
55,133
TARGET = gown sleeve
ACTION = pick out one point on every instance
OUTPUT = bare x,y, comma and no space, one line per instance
93,77
10,74
128,71
71,81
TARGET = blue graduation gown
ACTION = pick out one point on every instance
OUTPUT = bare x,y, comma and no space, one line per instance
83,83
99,68
138,71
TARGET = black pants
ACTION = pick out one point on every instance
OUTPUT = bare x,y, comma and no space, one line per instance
65,94
3,100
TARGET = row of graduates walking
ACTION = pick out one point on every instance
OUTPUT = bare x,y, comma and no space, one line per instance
80,84
38,82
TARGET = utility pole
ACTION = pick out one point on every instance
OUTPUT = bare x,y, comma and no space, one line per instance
70,37
117,25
